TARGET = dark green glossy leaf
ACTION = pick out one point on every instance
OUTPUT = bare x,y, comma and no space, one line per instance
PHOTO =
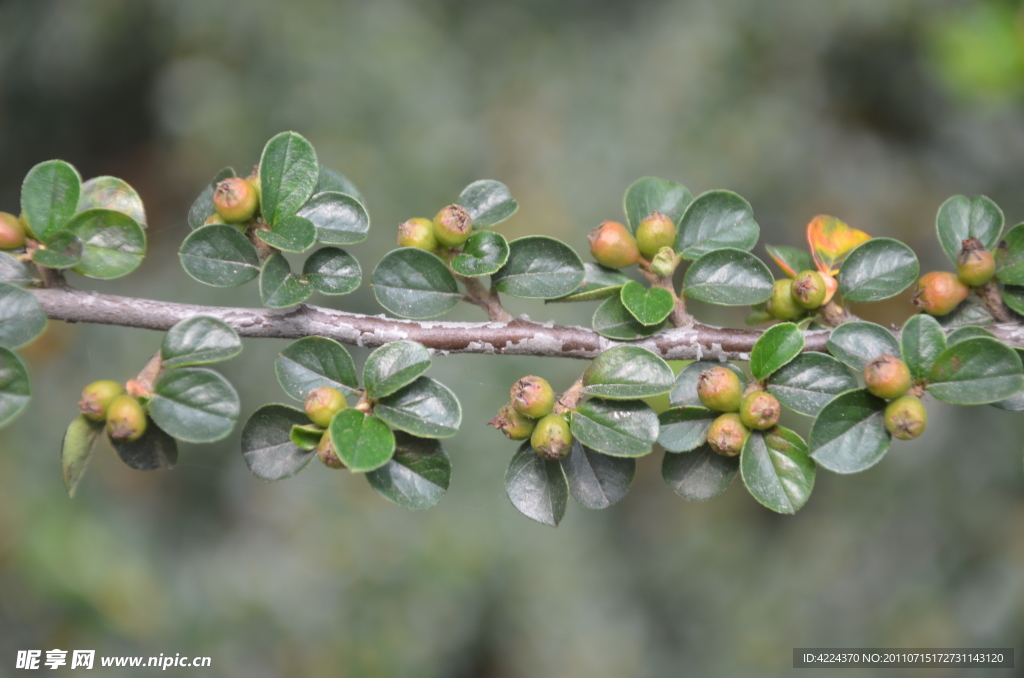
339,219
975,372
797,261
774,349
776,469
960,219
699,475
684,390
15,388
651,194
154,451
877,269
1010,258
684,428
621,428
612,320
113,244
332,271
489,202
279,287
76,450
311,362
716,220
729,277
21,317
412,283
598,283
49,196
597,480
483,254
306,436
219,255
63,250
921,341
810,381
425,408
539,267
393,366
849,434
267,446
968,332
194,404
627,372
362,443
199,340
288,175
1013,296
202,209
417,476
970,312
332,180
111,193
537,487
650,306
13,271
290,234
858,343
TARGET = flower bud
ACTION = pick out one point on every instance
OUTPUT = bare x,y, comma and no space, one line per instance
664,262
126,420
326,454
417,232
727,435
96,399
975,265
514,425
906,418
809,289
235,200
551,438
12,232
533,396
781,305
720,389
654,232
322,403
612,245
887,377
453,226
939,292
760,410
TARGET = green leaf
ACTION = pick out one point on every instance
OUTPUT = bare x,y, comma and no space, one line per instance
651,194
627,372
113,244
539,267
858,343
776,469
970,312
219,255
596,480
489,202
537,487
21,317
648,306
312,362
290,234
975,372
877,269
612,320
598,283
849,434
63,250
1010,258
729,277
810,381
288,174
921,341
717,220
332,180
774,349
393,366
699,475
202,209
76,450
425,408
626,428
417,476
684,390
413,283
960,219
1013,296
194,404
363,443
332,271
267,446
797,260
483,254
15,387
279,287
306,436
339,219
197,341
49,196
684,428
965,333
13,271
111,193
154,451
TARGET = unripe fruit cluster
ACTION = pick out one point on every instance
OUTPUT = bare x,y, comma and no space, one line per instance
889,378
612,244
720,389
451,227
939,292
530,414
106,401
321,404
793,298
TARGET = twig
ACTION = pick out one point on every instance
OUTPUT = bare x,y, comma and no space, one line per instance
989,294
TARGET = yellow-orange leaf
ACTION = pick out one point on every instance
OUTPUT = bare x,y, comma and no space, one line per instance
831,240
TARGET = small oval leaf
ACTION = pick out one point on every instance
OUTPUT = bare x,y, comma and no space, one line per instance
333,180
1010,257
858,343
154,451
393,366
13,271
683,429
483,254
363,443
111,193
22,319
790,260
311,362
776,469
339,219
922,340
627,372
537,487
612,320
290,234
810,381
598,283
650,306
597,480
961,218
716,220
62,250
849,434
489,202
777,347
266,442
729,277
113,244
425,408
412,283
539,267
15,388
332,271
49,196
627,428
651,194
417,476
975,372
76,450
877,269
194,404
219,255
279,287
699,475
288,174
199,340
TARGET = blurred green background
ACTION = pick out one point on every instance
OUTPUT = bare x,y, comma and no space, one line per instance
874,111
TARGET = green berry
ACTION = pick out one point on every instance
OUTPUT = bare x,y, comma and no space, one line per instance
654,232
887,377
551,438
533,396
939,292
326,454
727,435
322,403
417,232
612,245
720,389
809,289
514,425
781,305
235,200
906,418
453,226
760,410
214,219
12,232
975,265
96,399
126,420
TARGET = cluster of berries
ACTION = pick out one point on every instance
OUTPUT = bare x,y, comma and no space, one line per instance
720,389
939,292
451,227
530,414
613,246
321,404
794,298
889,378
236,200
12,231
107,401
